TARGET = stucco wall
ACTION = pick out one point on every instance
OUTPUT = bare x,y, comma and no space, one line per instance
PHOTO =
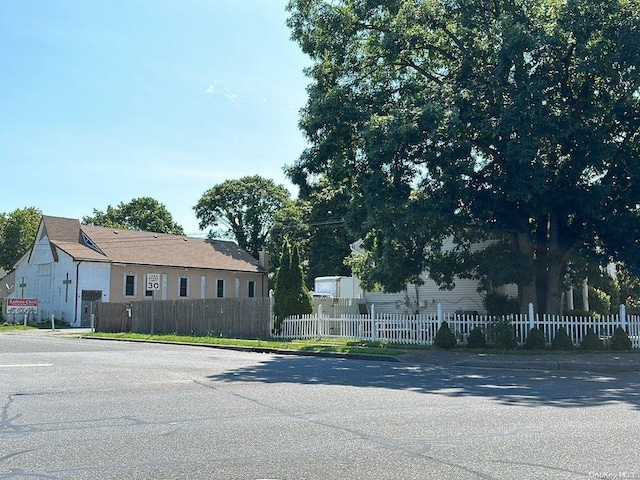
170,283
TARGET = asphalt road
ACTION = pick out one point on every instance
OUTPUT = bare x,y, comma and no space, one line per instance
87,409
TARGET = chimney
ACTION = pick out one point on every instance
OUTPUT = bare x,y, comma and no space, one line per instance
263,258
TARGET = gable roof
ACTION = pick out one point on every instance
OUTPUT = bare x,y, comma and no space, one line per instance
101,244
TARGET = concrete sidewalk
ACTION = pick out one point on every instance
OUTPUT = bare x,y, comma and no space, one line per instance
586,362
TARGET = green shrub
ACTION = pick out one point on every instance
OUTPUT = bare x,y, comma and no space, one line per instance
476,339
599,301
620,340
535,340
591,341
498,304
444,337
501,335
562,340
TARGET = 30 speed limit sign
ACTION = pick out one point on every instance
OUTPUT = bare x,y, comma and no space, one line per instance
153,281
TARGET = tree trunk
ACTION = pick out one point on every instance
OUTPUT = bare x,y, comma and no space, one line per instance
555,277
527,292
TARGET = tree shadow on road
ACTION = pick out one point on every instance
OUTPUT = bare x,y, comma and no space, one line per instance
521,388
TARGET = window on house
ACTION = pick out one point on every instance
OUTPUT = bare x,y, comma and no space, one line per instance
220,288
129,285
184,287
251,289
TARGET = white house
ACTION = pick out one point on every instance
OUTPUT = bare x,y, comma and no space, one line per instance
71,266
425,298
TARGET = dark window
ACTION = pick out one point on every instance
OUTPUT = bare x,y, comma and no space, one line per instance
130,285
252,289
220,288
184,287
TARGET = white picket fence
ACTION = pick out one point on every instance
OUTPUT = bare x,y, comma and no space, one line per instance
421,329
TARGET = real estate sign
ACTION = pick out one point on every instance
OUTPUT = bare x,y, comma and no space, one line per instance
22,305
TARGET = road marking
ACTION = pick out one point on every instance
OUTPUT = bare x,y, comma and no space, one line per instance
27,365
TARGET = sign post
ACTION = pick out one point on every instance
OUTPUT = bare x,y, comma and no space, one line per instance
153,284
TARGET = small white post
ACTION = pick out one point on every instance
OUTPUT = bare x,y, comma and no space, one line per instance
440,315
570,299
53,323
93,322
585,295
531,317
25,320
373,322
623,317
318,326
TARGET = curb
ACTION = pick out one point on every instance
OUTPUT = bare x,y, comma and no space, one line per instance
550,365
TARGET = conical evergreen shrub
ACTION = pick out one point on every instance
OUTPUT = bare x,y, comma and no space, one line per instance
444,337
620,340
562,340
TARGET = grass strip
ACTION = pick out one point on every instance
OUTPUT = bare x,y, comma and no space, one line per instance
311,345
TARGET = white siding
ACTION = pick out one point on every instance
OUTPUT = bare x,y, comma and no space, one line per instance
92,276
425,299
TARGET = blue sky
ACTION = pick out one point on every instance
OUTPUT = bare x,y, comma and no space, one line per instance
106,101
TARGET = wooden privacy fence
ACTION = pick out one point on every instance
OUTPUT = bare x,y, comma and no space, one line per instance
246,317
421,329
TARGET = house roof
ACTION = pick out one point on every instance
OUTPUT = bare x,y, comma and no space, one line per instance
7,283
101,244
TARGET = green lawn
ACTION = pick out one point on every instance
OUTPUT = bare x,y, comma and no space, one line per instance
313,345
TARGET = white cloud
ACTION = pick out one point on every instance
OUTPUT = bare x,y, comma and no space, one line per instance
220,89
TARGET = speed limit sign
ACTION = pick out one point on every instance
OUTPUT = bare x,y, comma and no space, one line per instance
153,281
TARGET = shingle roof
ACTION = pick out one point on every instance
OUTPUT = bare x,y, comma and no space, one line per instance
146,248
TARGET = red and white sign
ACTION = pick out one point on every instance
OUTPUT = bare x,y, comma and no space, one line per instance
22,305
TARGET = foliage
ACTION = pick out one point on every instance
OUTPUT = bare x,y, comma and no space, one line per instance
329,238
290,296
290,225
512,121
535,340
501,335
499,304
562,341
143,213
620,340
629,290
18,231
242,209
591,341
444,337
476,339
315,223
599,301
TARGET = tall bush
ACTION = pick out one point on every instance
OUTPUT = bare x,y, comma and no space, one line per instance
290,295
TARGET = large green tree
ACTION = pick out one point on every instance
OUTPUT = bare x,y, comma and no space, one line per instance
510,120
144,213
315,223
18,231
242,209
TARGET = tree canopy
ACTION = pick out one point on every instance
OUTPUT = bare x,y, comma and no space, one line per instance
144,213
516,121
18,231
315,224
242,209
